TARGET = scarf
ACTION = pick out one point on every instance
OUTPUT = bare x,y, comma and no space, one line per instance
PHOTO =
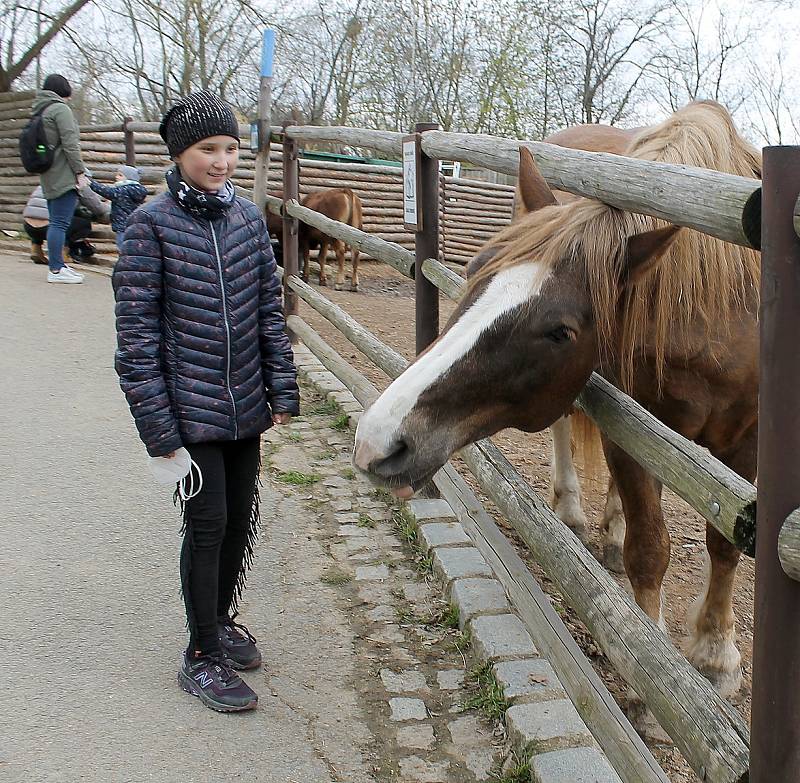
208,206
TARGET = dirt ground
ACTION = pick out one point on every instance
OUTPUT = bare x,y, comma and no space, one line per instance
385,305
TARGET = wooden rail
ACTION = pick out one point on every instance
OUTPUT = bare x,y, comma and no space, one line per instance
721,205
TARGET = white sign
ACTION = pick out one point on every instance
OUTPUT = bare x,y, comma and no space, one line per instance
411,216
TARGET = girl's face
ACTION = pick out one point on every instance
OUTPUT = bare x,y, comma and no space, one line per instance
208,163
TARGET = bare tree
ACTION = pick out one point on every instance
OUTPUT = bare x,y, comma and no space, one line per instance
699,52
167,50
611,42
25,30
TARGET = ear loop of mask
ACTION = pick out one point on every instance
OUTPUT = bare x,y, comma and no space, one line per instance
186,487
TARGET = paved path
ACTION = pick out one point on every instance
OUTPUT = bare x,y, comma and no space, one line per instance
92,620
89,597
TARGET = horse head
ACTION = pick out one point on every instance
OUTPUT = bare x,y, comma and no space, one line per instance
516,352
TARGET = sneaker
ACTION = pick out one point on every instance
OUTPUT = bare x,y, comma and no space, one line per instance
238,645
64,275
216,684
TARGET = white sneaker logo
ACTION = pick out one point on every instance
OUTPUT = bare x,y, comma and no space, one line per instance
204,679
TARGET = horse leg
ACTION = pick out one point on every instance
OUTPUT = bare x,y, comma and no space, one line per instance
322,258
566,488
338,248
712,647
613,530
354,254
645,553
647,545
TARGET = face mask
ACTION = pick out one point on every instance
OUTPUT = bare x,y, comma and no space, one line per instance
178,470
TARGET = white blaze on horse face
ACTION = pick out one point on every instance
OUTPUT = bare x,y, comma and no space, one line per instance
378,428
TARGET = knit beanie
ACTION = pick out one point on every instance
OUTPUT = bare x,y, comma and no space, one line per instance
196,117
130,172
56,83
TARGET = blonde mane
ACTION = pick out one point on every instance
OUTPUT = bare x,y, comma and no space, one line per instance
700,280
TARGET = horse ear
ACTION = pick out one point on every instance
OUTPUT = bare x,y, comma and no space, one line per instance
532,191
643,251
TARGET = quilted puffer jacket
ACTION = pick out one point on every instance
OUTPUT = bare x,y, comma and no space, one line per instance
202,352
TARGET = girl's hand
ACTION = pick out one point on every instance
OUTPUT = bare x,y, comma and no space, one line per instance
281,418
169,456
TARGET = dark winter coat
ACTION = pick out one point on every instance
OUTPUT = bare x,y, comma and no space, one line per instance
124,197
202,350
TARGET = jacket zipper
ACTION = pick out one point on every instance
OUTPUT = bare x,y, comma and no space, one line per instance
227,332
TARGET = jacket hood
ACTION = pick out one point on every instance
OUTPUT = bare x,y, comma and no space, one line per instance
45,96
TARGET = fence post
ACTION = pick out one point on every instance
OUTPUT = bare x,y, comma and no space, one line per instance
264,115
775,737
130,143
291,190
426,245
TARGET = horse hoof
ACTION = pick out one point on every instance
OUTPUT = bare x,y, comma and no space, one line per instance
323,282
338,287
726,684
612,558
568,509
354,287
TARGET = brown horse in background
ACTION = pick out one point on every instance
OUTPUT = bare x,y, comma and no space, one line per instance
669,315
340,204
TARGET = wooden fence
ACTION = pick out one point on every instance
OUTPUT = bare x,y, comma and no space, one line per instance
471,210
709,732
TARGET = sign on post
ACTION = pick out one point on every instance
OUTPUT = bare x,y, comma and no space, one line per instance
412,214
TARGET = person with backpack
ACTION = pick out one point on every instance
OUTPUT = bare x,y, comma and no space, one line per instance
64,175
206,367
125,195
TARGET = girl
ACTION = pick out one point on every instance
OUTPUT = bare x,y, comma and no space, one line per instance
206,366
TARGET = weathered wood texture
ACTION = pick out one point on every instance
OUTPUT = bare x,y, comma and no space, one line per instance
708,201
356,383
789,545
618,739
388,252
715,491
708,731
721,205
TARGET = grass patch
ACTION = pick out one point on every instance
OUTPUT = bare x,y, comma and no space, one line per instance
295,437
383,495
451,617
326,455
349,473
326,408
462,642
335,577
406,527
520,773
296,478
341,423
488,694
365,520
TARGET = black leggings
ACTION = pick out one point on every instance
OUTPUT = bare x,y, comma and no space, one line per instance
220,525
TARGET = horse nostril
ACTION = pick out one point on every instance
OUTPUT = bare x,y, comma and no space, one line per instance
389,462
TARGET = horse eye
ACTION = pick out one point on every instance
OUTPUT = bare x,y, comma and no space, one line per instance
561,335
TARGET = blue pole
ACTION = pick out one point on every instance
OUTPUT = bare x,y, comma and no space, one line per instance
267,52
